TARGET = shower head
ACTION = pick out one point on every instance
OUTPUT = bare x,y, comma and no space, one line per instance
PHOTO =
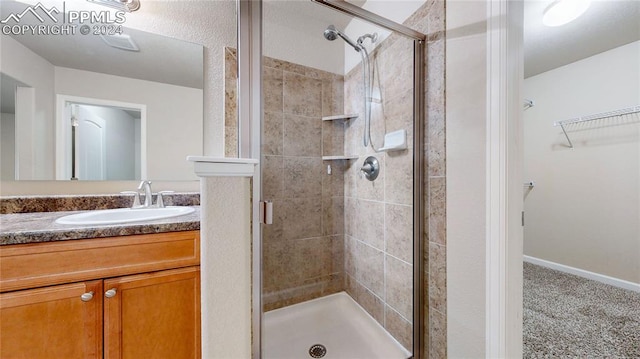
331,33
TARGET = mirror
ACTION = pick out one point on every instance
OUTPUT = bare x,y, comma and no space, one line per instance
148,86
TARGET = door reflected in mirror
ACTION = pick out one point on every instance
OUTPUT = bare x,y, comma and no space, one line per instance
102,142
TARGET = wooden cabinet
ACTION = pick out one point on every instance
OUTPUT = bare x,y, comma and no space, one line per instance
52,322
154,314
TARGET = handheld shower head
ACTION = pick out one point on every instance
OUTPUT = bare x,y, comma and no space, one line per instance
331,33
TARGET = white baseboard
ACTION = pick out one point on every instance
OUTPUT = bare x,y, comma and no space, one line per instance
620,283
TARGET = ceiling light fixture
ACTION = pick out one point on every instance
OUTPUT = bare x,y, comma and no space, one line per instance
561,12
122,5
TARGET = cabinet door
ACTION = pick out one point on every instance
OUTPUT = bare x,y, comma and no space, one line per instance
52,322
153,315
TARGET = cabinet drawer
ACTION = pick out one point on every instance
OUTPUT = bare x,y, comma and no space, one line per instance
40,264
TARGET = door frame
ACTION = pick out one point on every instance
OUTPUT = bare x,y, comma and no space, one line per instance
63,135
504,190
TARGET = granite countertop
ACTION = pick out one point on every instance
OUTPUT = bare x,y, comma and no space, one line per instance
37,227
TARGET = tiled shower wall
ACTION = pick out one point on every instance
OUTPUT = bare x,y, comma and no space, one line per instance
303,248
379,214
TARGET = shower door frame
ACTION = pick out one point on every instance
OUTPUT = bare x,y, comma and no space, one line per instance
249,136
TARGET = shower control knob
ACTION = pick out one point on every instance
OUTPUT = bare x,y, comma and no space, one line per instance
370,168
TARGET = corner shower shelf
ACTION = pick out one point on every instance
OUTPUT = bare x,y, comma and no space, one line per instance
335,158
597,116
340,117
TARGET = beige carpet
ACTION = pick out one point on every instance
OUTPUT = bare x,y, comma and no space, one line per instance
571,317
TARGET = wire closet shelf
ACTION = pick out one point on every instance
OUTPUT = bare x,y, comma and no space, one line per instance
597,116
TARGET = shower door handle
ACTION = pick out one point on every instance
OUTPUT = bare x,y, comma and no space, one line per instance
266,212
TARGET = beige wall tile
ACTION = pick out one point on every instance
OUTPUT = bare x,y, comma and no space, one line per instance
350,286
338,256
314,257
398,232
399,182
272,177
333,215
333,184
303,177
276,262
350,219
230,141
370,227
230,104
436,106
332,138
302,217
437,210
350,256
353,135
370,268
437,277
333,95
438,337
272,136
302,136
396,68
399,286
299,262
351,176
370,302
302,95
399,327
272,84
399,113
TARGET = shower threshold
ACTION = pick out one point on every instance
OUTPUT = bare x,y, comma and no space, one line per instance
335,322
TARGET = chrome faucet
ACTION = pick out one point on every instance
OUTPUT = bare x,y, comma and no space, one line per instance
148,196
148,199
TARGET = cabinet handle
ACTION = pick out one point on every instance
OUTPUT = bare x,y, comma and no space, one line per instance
86,297
110,293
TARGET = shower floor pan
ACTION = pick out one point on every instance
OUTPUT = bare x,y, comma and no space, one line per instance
336,322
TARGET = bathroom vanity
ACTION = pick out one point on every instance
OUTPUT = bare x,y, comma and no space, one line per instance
90,293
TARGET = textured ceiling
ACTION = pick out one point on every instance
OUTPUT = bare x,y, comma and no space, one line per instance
607,24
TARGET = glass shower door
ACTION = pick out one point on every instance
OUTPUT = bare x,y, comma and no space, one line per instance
338,166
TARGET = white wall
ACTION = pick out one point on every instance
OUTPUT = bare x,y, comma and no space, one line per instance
35,137
7,146
174,116
585,209
293,31
466,82
206,22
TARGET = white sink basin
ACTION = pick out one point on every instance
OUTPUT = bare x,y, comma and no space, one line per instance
124,215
